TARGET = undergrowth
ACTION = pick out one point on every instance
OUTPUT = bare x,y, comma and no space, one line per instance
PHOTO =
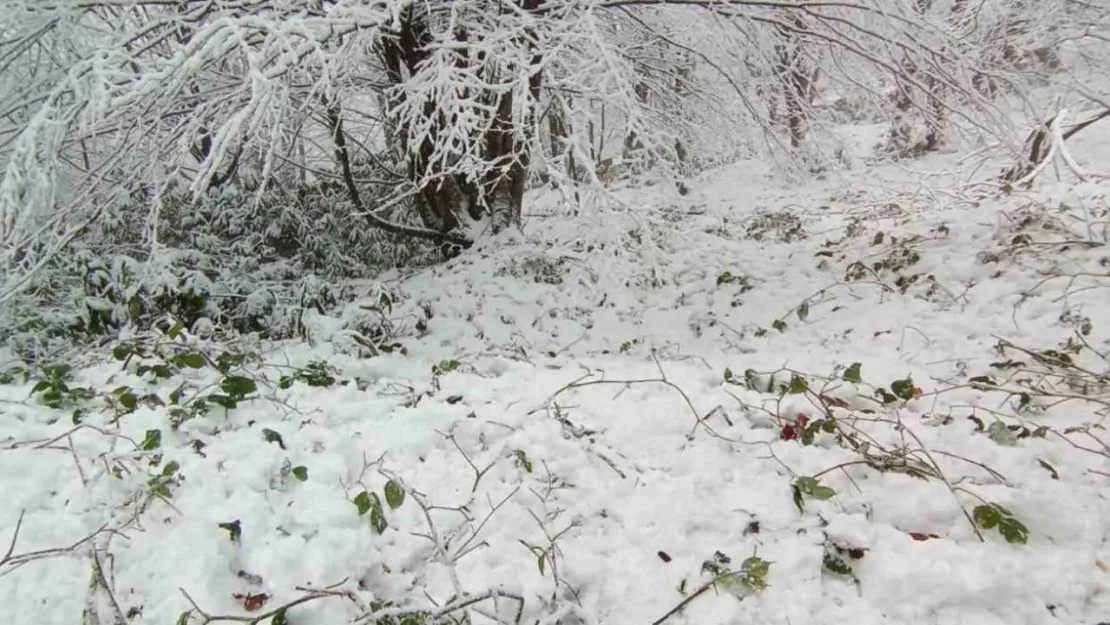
872,422
229,264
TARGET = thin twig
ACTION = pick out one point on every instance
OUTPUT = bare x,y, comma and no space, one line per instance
694,595
254,620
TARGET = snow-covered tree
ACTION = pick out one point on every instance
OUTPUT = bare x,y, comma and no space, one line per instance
441,107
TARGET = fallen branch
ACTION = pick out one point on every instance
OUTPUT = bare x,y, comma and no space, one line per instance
434,615
1049,133
1018,176
311,595
694,595
584,381
11,560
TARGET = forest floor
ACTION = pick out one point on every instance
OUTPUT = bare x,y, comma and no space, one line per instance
876,398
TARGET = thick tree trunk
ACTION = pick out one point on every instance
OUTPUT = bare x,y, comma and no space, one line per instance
447,199
799,81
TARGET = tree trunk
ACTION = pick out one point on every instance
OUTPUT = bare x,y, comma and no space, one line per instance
799,81
447,199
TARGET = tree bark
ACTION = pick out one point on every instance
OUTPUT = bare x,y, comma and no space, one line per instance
447,199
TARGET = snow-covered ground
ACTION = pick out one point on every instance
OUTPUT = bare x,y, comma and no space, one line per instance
608,414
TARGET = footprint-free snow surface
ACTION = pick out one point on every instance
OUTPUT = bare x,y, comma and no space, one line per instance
873,399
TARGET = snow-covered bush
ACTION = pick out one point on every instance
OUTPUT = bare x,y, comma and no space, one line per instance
226,263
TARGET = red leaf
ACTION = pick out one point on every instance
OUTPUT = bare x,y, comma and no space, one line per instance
920,536
802,420
788,433
252,603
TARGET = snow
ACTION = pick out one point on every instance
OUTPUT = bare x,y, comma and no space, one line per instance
511,463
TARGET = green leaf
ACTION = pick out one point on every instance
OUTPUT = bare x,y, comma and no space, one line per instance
175,330
999,433
755,566
798,385
184,618
176,394
270,436
121,351
237,386
986,517
798,500
522,460
822,493
753,573
1025,401
447,366
11,373
903,389
300,472
810,486
751,377
226,360
779,324
234,530
541,562
808,435
223,400
134,309
81,393
362,502
317,374
153,440
170,468
1013,530
852,373
128,401
192,360
57,371
803,311
279,618
161,372
836,564
394,494
52,398
1048,467
377,514
177,417
285,382
160,487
